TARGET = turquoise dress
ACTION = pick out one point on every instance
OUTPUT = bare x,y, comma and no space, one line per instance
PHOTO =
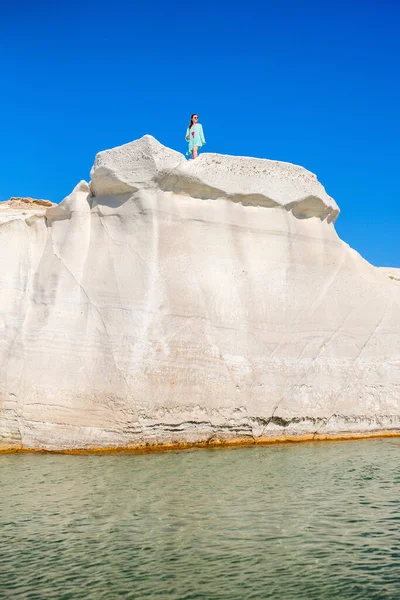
196,137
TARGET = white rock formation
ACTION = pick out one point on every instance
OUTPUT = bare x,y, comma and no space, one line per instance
188,301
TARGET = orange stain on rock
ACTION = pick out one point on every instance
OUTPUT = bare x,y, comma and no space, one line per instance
229,443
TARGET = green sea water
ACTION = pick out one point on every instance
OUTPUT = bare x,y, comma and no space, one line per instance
312,520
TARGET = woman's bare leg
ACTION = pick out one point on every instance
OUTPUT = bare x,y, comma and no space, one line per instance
195,152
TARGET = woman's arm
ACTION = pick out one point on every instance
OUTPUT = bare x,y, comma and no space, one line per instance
203,141
187,134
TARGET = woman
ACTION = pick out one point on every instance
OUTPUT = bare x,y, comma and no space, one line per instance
195,136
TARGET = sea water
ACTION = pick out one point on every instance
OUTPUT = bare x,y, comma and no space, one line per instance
312,520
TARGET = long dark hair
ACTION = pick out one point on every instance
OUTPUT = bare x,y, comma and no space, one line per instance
191,119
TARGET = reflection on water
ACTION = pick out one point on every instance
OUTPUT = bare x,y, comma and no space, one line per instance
286,522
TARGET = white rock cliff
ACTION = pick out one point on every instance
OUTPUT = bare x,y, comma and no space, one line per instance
173,301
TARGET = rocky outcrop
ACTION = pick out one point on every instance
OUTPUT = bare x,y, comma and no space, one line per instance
172,301
21,208
32,202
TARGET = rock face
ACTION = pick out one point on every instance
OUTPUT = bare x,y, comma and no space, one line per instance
175,301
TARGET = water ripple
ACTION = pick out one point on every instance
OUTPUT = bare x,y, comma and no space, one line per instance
287,522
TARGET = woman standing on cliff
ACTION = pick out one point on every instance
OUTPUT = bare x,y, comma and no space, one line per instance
195,136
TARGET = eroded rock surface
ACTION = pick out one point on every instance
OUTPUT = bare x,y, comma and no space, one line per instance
177,301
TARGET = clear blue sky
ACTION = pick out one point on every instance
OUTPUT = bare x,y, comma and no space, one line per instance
311,82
